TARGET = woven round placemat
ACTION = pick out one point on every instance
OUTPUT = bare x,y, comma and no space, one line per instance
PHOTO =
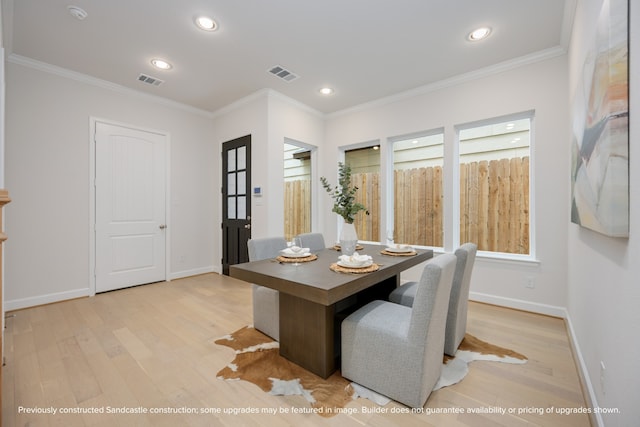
311,257
340,269
385,252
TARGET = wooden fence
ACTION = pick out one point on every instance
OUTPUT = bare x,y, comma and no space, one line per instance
297,207
368,226
494,205
418,206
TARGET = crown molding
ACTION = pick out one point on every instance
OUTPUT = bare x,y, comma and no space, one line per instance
267,94
272,94
567,23
103,84
262,93
294,103
454,81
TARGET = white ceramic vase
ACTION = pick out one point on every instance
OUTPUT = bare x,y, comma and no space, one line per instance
348,239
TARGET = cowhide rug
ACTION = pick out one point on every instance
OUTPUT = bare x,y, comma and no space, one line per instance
259,362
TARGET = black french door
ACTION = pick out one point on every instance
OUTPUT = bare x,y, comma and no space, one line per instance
236,201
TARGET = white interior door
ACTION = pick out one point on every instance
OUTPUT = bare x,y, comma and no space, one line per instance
130,188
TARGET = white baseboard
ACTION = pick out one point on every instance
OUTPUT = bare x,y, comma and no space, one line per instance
585,380
21,303
194,272
555,311
549,310
18,304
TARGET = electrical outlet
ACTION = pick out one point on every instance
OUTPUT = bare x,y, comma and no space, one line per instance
602,376
529,282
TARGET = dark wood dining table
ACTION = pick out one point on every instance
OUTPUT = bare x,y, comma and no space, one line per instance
314,299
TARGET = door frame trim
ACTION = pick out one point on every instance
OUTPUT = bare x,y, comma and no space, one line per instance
92,195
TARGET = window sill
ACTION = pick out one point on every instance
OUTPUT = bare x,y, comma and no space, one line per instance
503,258
489,257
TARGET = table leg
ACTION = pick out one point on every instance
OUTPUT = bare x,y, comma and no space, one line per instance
310,332
307,334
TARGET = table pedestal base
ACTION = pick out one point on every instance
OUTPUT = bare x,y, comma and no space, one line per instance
310,332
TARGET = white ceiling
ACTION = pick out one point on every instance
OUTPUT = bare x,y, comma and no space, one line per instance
365,49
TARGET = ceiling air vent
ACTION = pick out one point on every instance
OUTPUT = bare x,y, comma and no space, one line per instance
283,73
150,80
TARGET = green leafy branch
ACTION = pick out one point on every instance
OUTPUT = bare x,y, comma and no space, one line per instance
344,195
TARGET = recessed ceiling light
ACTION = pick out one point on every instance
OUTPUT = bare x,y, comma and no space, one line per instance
206,23
77,12
326,91
161,64
479,34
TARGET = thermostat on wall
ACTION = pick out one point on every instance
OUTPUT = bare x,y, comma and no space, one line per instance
257,191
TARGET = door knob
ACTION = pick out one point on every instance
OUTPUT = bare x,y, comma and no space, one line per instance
248,226
163,226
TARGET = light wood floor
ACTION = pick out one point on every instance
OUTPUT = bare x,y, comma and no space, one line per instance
151,348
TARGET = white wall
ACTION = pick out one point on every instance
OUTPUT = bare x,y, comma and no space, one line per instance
539,86
2,92
3,14
604,284
288,119
269,118
246,117
47,172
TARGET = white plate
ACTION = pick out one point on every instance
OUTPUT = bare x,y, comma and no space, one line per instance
400,250
288,254
349,265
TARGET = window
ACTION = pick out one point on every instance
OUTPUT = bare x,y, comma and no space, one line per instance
494,185
365,174
443,189
418,190
297,189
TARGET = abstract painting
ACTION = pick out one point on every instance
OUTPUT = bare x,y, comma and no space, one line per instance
600,121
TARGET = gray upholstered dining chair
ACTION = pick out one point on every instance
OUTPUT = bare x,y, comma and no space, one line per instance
458,302
313,241
396,350
266,301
